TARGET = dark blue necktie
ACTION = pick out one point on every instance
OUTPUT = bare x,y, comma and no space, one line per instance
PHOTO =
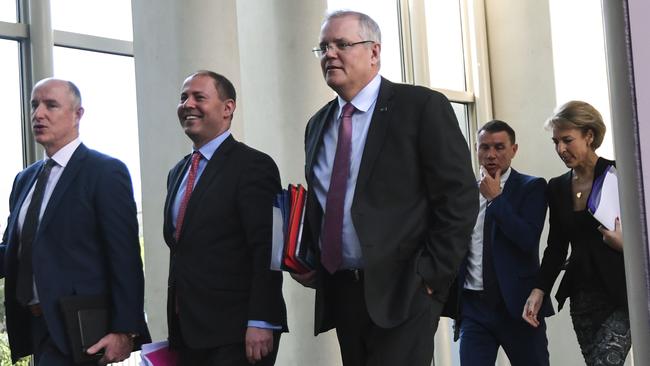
24,284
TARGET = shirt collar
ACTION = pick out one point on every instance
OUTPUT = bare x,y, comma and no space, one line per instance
365,98
209,148
62,157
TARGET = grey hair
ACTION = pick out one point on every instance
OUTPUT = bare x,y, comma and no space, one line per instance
369,29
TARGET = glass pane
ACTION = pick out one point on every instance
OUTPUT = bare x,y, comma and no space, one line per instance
111,19
110,122
8,11
445,44
11,143
463,119
384,12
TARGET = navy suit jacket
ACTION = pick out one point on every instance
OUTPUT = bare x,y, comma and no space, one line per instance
87,243
518,216
414,204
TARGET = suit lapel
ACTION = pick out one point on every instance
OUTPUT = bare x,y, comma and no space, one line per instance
176,179
376,133
13,220
213,170
315,138
69,174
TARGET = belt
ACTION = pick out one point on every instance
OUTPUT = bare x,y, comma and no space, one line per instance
35,309
352,275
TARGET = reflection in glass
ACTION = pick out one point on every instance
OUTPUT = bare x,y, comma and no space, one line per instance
445,44
8,11
384,12
11,145
463,119
107,85
111,19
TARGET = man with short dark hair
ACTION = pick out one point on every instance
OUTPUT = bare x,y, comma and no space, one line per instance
72,230
499,271
224,304
391,202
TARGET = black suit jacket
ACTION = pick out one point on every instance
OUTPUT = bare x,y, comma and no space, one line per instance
219,269
87,243
414,206
587,248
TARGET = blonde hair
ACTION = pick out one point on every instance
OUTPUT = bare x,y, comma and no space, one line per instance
579,115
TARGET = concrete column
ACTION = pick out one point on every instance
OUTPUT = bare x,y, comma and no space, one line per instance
627,59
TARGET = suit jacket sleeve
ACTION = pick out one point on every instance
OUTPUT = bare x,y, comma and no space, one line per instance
255,198
118,228
452,194
523,226
5,235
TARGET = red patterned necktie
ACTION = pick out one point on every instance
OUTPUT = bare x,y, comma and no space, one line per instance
189,186
332,237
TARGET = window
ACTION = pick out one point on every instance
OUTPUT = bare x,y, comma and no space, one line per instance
445,44
8,11
110,19
107,85
11,146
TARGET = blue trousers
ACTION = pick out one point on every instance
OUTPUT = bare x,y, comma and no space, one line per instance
486,327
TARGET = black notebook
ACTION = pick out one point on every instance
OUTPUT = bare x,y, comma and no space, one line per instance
86,319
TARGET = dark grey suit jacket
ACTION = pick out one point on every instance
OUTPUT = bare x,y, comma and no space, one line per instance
414,206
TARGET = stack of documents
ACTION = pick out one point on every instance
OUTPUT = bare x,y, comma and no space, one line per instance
158,354
603,201
289,253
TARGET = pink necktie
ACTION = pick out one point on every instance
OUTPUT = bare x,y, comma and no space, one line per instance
331,255
191,177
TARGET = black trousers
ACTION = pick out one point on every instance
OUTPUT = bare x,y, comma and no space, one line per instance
226,355
363,343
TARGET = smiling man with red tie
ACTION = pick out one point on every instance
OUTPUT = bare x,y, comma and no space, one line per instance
225,306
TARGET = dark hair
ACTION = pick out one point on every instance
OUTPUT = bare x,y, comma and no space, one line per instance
224,87
495,126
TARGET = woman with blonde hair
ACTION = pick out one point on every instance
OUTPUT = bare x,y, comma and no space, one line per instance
595,276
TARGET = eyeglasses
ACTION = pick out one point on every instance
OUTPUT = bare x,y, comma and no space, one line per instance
340,46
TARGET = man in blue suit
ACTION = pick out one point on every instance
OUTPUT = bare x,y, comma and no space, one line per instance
500,267
72,230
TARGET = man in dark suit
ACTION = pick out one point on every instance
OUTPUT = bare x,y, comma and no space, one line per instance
225,306
391,203
72,230
499,271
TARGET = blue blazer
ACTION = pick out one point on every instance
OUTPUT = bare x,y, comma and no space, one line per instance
87,243
518,216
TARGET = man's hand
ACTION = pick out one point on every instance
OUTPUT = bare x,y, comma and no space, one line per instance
613,238
306,279
117,347
533,304
490,187
259,343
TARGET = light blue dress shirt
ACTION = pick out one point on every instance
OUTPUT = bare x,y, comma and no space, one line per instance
364,102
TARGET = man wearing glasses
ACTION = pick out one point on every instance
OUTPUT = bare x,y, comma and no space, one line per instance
391,203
